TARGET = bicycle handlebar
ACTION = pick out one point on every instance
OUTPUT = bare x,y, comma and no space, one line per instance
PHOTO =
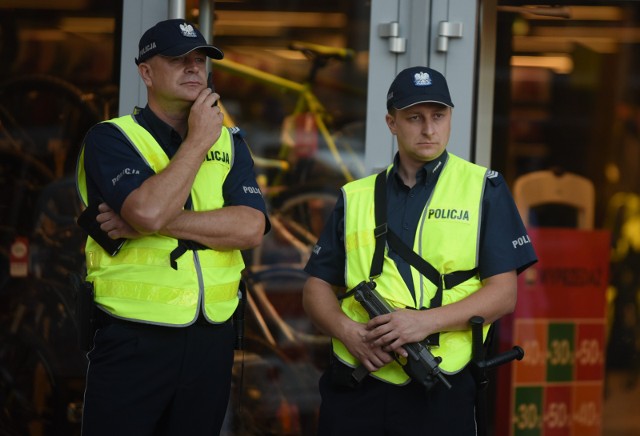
316,50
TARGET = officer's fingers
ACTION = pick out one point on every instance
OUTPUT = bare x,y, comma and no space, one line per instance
397,347
207,98
371,367
378,321
384,356
104,207
210,100
377,329
375,362
371,337
115,234
215,97
382,336
104,217
107,226
204,94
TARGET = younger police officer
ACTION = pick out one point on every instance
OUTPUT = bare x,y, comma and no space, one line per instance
454,214
176,184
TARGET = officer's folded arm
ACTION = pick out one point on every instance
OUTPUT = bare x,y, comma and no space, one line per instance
161,198
115,226
218,229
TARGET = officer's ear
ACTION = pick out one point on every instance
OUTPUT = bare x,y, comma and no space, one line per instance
144,69
391,122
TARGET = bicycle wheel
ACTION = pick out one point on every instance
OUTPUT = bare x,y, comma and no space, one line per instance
305,214
297,219
43,120
289,344
42,370
350,143
33,401
22,178
278,289
269,394
46,118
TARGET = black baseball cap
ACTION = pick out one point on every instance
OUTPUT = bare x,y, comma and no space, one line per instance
175,37
418,85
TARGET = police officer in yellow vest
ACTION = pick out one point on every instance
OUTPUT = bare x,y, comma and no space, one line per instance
180,189
457,216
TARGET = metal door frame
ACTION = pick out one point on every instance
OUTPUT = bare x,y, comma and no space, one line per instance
467,64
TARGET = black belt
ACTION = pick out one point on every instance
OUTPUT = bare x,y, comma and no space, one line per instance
104,319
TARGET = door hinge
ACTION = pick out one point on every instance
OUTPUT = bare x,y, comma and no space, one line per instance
391,31
446,30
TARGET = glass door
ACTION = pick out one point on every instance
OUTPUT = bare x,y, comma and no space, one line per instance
567,99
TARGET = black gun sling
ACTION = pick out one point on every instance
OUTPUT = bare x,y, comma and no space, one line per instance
384,234
184,245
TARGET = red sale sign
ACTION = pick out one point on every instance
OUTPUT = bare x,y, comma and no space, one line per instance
560,322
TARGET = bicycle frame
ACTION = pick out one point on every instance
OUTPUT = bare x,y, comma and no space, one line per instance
306,101
272,327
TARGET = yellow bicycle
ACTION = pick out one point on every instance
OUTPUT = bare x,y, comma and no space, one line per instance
300,199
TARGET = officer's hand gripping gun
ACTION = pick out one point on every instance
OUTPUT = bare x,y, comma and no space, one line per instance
421,366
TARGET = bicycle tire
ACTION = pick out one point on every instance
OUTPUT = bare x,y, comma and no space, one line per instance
350,142
49,118
296,334
269,401
297,217
22,183
34,401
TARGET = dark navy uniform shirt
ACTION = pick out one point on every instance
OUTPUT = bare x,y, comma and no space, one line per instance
501,226
114,168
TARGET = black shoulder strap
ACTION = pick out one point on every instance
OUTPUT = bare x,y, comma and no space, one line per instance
183,244
383,233
441,281
380,204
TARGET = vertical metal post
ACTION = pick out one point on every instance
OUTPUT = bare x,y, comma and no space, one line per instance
206,22
137,16
485,82
206,19
177,8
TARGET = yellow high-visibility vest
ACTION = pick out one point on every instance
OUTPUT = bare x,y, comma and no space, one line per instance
138,283
447,237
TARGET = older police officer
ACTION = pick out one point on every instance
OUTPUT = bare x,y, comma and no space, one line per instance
174,183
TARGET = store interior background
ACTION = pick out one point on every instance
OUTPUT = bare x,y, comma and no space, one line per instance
567,98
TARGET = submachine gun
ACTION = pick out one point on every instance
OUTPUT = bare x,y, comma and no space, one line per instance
422,366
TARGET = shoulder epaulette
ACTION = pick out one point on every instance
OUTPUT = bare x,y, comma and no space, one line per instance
494,177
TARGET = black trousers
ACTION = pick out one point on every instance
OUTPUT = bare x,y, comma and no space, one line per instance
376,408
150,380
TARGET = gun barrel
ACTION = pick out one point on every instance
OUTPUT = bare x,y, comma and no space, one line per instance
444,380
